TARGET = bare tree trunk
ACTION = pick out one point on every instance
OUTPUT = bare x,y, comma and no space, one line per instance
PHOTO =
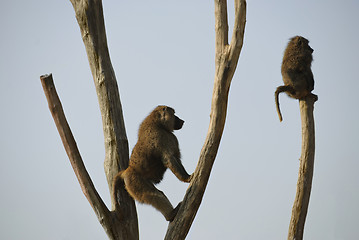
226,62
305,175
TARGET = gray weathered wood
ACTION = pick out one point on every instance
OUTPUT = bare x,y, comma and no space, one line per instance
305,175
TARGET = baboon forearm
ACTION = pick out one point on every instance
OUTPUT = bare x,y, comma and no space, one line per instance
178,170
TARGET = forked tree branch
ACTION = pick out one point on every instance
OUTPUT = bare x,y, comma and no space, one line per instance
89,15
226,61
305,175
116,226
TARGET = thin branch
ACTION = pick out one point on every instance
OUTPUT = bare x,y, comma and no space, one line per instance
221,24
305,175
72,151
238,32
225,67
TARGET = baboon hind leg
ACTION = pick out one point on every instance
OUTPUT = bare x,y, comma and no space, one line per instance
159,201
145,192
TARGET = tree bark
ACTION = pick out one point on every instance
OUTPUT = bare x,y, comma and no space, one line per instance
226,60
305,175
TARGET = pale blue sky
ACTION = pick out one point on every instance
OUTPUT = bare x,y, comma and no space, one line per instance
163,53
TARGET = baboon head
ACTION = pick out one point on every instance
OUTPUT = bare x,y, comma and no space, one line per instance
299,50
168,119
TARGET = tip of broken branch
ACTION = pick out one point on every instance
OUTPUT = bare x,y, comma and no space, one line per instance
45,76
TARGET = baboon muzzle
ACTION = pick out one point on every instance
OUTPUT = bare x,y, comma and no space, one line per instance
178,123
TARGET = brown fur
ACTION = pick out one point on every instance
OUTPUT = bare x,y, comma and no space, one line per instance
156,150
296,71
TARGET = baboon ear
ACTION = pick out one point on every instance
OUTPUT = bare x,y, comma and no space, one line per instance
162,112
299,41
302,41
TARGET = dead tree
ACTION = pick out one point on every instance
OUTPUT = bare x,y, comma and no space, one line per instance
122,223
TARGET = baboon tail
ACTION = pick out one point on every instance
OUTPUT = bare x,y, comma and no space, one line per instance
117,184
276,94
121,174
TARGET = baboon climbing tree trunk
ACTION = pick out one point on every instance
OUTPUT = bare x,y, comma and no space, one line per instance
120,223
